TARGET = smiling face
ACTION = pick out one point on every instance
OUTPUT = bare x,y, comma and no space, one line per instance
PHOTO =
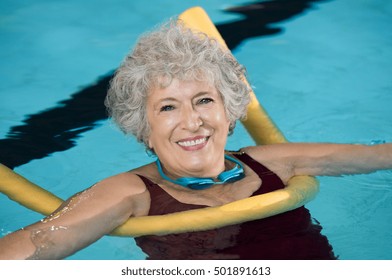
189,128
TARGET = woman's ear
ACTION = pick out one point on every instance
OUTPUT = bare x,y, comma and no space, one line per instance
231,127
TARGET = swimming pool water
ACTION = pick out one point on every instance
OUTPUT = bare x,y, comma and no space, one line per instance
322,69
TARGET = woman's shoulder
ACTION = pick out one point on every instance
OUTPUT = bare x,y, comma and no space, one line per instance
127,182
126,187
273,156
269,152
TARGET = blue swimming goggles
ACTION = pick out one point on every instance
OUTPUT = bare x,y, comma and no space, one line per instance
195,183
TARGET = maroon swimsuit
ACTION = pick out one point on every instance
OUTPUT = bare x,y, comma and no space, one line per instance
290,235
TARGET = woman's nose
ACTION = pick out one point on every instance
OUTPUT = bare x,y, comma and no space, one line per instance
191,119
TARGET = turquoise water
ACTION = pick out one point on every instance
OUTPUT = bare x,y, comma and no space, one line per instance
322,69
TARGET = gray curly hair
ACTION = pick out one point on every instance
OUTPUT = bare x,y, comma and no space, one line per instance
173,51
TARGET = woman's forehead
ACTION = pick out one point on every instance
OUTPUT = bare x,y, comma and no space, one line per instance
165,82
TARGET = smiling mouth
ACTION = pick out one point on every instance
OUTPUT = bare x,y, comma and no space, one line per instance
193,143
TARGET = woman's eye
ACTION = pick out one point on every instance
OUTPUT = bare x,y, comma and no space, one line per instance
167,108
205,100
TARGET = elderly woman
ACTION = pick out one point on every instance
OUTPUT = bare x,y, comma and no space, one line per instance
181,94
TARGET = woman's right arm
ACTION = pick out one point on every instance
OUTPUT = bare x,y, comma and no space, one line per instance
79,221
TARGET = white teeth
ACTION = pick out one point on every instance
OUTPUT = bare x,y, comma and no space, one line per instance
192,142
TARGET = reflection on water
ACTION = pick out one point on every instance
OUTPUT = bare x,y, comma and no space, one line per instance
55,129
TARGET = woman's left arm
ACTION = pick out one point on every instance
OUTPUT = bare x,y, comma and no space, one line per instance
291,159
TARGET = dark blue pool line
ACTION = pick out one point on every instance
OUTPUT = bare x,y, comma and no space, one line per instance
57,128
